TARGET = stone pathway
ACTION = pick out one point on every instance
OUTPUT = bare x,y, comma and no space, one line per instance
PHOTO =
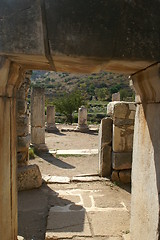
97,210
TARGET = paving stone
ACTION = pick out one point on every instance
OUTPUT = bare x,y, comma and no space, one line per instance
63,222
113,224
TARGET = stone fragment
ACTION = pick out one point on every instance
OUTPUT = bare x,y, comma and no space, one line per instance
122,160
29,177
105,161
123,138
115,176
20,238
125,176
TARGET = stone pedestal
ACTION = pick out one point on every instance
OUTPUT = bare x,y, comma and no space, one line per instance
51,126
82,120
146,156
38,119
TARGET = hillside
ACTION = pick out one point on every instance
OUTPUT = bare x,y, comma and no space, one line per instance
96,85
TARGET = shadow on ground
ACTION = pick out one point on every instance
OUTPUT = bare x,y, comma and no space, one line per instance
33,207
55,161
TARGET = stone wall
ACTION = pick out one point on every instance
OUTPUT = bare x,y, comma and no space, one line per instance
115,150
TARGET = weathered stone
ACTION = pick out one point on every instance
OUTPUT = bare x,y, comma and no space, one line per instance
38,135
122,138
105,162
115,176
105,131
122,160
29,177
21,106
121,110
116,96
37,107
125,176
22,158
23,143
82,120
20,238
51,126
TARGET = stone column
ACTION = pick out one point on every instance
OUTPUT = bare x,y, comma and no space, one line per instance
23,137
38,119
9,78
82,120
146,156
51,126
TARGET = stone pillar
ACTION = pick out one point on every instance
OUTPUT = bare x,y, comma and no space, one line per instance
82,120
38,119
105,141
23,136
51,126
123,115
146,156
9,79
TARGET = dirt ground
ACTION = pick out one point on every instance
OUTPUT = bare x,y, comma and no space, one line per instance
86,210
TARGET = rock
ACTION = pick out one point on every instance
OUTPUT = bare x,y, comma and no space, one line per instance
20,238
122,160
29,177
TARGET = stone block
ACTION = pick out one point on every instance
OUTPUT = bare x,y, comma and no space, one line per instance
116,96
121,110
105,161
125,176
22,125
23,143
105,131
22,158
122,138
21,106
29,177
38,135
121,160
115,176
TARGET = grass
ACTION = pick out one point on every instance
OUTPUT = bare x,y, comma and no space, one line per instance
31,153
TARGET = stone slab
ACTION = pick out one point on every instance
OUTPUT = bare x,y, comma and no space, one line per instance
55,179
66,223
105,131
113,224
29,177
121,161
88,179
75,152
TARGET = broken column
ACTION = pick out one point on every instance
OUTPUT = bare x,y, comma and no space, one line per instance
82,120
123,115
38,119
105,148
146,155
51,126
28,177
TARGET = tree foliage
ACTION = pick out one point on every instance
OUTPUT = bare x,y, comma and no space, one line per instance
69,103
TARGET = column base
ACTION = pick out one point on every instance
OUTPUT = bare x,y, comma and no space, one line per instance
52,129
82,128
40,147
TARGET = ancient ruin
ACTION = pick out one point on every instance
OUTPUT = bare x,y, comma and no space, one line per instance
51,126
82,120
82,36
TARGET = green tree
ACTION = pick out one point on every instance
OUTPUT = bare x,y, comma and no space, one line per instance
68,104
